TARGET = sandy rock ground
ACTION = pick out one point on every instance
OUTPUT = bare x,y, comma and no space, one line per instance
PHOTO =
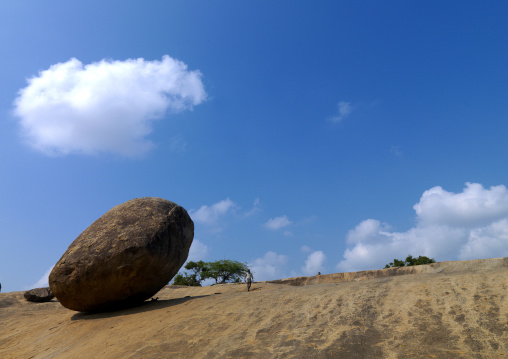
458,310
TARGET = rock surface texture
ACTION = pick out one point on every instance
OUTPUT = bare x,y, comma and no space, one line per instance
124,257
460,312
39,295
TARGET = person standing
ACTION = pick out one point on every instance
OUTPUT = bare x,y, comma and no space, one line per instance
249,279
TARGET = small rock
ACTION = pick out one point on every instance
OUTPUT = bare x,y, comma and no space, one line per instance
39,295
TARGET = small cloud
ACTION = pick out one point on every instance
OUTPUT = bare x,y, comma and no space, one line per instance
269,267
210,215
308,220
344,109
178,144
198,251
256,207
314,263
43,281
306,249
395,150
277,223
103,107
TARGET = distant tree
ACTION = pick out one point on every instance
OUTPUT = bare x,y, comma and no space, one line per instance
191,279
410,261
197,268
396,263
417,261
186,279
224,271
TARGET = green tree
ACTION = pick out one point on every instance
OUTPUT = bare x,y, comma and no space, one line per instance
186,279
197,268
225,271
191,279
410,261
395,263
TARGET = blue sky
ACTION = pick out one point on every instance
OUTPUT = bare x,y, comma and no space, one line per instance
301,136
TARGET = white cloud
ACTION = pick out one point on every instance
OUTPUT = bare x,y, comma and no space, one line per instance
198,251
306,249
105,106
43,281
277,223
487,241
474,206
210,215
467,225
178,144
314,263
256,207
368,230
345,110
269,267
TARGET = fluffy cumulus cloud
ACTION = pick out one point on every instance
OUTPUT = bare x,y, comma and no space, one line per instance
475,206
270,266
277,223
314,263
106,106
210,215
467,225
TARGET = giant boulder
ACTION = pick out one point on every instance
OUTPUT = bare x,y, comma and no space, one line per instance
124,257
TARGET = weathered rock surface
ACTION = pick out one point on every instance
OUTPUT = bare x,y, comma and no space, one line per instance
39,295
124,257
458,313
440,267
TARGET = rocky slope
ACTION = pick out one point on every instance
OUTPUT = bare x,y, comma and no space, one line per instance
443,310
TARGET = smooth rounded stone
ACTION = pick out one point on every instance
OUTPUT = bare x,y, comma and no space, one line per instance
124,257
39,295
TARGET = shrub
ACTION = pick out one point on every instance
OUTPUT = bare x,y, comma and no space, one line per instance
186,279
410,261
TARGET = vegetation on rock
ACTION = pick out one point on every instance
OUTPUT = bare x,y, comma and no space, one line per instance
191,279
410,261
223,271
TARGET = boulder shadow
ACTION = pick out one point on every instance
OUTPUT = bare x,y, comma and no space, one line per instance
146,306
